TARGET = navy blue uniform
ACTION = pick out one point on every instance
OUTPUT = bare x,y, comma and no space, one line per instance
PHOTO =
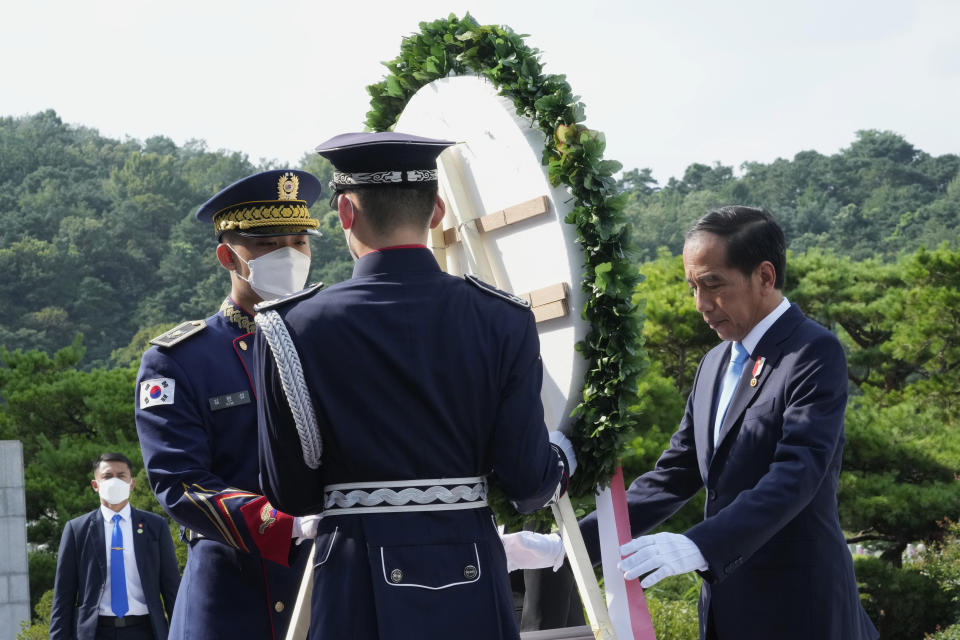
196,418
413,374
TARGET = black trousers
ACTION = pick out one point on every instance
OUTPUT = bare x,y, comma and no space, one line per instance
550,600
138,632
711,628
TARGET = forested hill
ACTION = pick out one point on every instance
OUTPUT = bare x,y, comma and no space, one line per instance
97,235
880,196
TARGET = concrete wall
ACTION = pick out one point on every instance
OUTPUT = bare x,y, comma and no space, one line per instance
14,585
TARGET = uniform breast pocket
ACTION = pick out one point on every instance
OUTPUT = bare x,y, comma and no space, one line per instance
431,566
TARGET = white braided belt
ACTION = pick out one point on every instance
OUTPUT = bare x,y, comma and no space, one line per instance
439,494
271,325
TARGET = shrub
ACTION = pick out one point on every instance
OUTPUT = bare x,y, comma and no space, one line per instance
674,619
950,633
903,603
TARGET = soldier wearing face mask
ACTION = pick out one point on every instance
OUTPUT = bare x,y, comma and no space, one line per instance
197,420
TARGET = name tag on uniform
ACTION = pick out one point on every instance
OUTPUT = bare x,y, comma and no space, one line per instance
229,400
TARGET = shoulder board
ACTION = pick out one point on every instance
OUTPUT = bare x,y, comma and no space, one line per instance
179,333
493,291
299,295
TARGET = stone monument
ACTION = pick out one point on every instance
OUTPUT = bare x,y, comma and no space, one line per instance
14,583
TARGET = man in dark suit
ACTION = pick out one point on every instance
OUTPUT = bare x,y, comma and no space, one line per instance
763,434
117,574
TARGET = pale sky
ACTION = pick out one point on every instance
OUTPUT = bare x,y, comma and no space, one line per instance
668,82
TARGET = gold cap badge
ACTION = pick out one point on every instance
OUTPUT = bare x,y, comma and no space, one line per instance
287,187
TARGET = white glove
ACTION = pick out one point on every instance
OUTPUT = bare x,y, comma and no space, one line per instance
565,445
669,553
305,528
529,550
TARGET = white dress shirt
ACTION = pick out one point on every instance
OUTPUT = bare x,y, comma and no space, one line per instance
752,339
136,601
749,342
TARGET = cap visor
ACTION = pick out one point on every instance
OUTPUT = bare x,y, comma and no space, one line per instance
271,232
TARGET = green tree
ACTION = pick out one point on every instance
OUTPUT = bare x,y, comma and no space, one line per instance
676,338
866,200
39,627
65,417
897,321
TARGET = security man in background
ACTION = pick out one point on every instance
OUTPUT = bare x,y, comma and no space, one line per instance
117,572
196,418
387,399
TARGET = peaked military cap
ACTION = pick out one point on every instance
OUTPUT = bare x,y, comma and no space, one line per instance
270,203
371,159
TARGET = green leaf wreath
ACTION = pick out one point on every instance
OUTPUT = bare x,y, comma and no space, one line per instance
573,153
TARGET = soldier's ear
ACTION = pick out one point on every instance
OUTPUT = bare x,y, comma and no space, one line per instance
345,211
227,258
439,210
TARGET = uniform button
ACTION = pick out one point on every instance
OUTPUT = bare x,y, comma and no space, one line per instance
243,345
278,607
470,572
712,494
396,576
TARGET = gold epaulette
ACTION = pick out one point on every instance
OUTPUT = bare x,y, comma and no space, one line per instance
179,333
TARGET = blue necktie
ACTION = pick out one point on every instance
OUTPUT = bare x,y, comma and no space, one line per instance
738,356
118,578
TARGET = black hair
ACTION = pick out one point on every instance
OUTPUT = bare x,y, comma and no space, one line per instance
397,206
112,457
752,236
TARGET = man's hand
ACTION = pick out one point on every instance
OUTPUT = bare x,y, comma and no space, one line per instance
665,554
529,550
563,443
305,528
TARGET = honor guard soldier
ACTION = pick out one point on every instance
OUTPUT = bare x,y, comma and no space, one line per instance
386,401
197,421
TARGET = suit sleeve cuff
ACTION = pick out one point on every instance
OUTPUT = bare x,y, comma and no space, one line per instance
270,529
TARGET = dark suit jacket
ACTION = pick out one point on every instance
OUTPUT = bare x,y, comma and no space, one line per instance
778,563
82,572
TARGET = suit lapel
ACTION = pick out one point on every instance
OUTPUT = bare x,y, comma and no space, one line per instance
705,398
139,543
96,536
769,348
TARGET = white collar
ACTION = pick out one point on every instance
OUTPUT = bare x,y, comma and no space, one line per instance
752,338
109,513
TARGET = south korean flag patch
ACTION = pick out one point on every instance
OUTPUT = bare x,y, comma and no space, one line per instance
156,392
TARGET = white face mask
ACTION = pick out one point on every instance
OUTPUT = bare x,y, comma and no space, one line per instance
276,274
113,490
348,232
